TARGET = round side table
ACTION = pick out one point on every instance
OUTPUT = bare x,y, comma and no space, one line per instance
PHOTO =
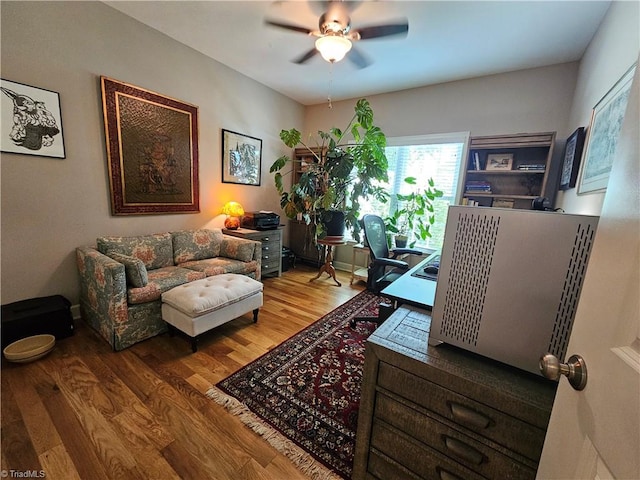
328,262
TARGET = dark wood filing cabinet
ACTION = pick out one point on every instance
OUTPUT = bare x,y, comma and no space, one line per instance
443,413
271,247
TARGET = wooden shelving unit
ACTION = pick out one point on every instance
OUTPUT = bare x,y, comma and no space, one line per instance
301,235
515,186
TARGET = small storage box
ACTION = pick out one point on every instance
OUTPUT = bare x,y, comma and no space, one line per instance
36,316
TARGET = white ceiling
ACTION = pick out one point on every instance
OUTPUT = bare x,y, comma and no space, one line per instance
447,40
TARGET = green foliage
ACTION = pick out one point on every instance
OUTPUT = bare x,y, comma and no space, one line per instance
341,174
414,213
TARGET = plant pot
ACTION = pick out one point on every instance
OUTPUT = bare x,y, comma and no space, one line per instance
334,224
401,241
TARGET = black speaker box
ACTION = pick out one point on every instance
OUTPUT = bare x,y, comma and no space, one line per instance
36,316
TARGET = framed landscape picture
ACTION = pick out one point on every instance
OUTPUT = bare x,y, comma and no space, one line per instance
31,121
602,137
571,160
152,150
241,158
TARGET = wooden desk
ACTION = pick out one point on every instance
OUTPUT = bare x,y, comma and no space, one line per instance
416,291
328,262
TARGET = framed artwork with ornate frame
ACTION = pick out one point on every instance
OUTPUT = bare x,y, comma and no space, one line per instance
31,120
602,136
571,159
152,151
241,158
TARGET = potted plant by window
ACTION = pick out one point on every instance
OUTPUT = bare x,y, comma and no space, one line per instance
346,167
413,215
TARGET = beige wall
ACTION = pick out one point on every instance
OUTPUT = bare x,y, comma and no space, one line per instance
535,100
51,206
612,51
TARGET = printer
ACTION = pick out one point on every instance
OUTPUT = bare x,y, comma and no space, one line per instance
261,220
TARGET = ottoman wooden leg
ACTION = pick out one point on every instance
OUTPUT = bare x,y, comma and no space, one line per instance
194,344
255,315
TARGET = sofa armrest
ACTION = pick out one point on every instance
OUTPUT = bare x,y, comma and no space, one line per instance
241,249
103,291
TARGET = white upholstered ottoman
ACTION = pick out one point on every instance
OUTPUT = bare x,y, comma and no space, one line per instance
197,307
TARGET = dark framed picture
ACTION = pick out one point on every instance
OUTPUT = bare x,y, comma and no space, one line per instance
31,121
602,136
241,158
571,159
152,150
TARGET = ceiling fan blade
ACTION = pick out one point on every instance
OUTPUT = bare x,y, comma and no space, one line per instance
356,57
306,56
377,31
289,26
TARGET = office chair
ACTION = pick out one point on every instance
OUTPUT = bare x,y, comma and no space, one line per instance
384,266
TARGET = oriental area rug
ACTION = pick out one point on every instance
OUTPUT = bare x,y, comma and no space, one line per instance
303,396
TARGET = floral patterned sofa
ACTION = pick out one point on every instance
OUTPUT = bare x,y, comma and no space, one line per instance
123,278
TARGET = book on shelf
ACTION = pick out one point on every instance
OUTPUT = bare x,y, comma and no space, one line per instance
476,161
477,186
532,168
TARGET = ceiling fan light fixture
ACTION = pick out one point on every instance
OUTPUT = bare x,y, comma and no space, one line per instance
333,48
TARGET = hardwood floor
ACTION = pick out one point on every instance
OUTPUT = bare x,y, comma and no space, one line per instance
86,412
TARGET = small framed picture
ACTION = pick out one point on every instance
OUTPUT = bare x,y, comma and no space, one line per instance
571,161
31,120
499,161
241,158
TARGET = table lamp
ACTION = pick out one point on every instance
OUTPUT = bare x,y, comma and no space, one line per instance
233,211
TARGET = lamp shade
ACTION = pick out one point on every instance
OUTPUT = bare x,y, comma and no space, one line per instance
233,211
333,48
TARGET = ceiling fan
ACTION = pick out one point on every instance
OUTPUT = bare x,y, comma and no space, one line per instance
335,35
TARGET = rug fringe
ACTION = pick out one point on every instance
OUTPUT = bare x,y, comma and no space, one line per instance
303,461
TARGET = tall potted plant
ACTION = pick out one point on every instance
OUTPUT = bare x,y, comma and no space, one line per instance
343,171
414,214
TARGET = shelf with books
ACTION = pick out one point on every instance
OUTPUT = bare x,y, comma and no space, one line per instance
514,167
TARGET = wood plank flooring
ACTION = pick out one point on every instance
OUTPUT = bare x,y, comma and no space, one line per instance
86,412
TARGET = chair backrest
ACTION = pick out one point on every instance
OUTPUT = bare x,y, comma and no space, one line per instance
376,235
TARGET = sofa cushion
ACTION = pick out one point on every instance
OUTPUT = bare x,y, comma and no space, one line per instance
155,251
196,245
134,269
160,281
219,265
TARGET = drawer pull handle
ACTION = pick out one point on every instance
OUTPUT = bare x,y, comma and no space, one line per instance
445,475
468,416
265,248
265,239
463,451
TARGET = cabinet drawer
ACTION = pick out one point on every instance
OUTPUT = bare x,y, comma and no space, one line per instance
271,249
422,461
503,429
461,448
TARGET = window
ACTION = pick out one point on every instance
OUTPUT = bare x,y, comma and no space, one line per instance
440,157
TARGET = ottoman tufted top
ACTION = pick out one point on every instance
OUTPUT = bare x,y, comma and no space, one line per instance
212,293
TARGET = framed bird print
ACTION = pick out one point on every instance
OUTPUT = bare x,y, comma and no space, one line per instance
31,120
